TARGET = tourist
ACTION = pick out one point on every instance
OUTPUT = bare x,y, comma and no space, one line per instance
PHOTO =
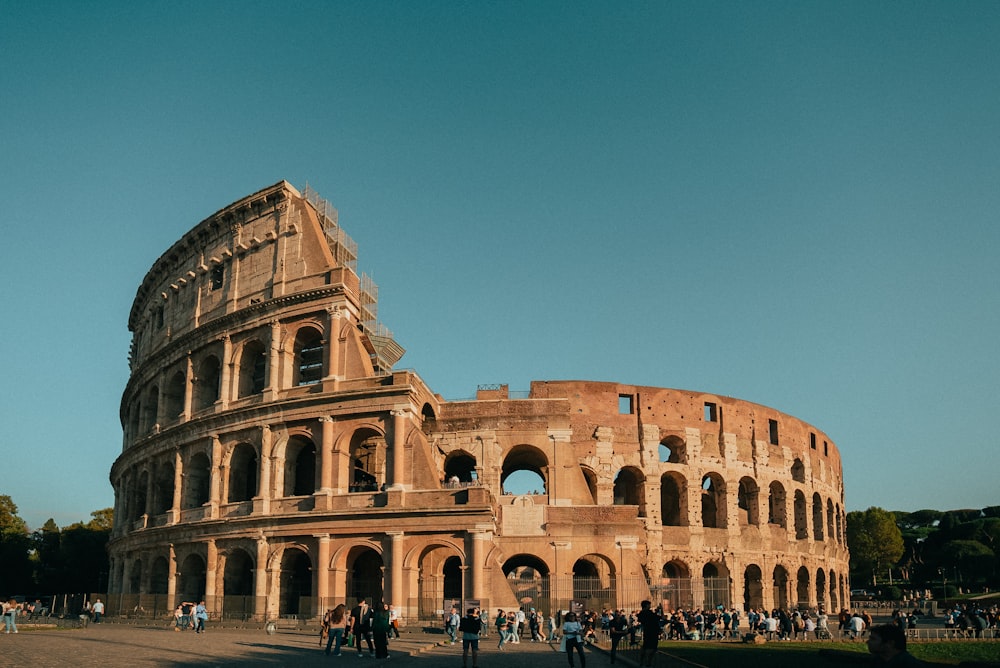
380,630
502,627
200,616
650,622
470,625
98,610
335,622
393,622
887,642
361,625
451,624
572,631
10,610
618,627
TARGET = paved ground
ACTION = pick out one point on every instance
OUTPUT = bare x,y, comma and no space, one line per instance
113,645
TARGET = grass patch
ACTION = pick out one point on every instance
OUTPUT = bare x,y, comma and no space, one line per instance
798,654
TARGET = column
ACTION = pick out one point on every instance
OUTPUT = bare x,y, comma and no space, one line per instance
326,457
188,387
225,391
395,584
260,580
262,503
211,571
476,561
215,478
399,423
273,362
172,578
322,569
331,351
175,508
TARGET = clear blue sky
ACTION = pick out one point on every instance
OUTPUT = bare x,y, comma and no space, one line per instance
791,203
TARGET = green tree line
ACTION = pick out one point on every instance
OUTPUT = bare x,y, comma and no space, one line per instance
53,560
928,549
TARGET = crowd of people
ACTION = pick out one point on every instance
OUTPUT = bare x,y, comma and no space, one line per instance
363,627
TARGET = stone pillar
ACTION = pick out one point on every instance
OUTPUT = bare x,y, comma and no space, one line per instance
175,508
271,384
326,458
477,560
172,578
150,484
211,568
399,422
331,351
262,503
395,584
225,391
215,478
188,387
322,568
260,580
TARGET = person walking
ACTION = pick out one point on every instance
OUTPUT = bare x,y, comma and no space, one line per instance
502,628
470,626
361,625
200,616
380,630
98,610
10,610
650,622
572,631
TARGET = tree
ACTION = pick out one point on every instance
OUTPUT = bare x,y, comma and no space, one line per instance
973,559
15,546
874,539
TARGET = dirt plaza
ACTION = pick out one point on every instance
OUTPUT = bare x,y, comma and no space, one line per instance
112,645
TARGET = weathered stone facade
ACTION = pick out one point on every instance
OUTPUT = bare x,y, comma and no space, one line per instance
274,463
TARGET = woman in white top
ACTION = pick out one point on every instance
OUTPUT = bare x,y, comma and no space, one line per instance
572,631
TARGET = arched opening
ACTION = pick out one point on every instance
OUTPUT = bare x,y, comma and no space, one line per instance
594,582
715,579
753,588
673,500
776,505
821,588
149,417
834,599
300,466
749,504
308,357
780,595
830,531
207,384
191,579
243,473
817,515
591,478
802,587
163,489
295,584
238,585
368,455
801,524
158,576
673,450
173,397
713,502
139,508
518,466
628,488
460,469
528,577
197,481
674,587
439,580
365,568
253,369
135,577
452,573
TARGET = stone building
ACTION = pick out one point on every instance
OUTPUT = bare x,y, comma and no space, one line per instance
275,463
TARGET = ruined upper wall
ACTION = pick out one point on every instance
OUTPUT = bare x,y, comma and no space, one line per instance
264,246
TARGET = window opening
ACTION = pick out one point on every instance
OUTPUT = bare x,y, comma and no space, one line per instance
218,274
812,441
625,404
772,427
711,412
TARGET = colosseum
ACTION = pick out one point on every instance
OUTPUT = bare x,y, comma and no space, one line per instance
275,462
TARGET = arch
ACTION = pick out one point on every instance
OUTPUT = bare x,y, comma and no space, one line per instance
673,450
801,523
753,587
191,579
197,481
238,575
207,385
524,458
628,487
715,580
673,499
365,568
591,477
439,575
243,468
820,588
675,585
252,369
149,410
802,587
798,470
528,577
308,356
368,460
780,594
748,502
427,411
460,467
295,583
135,577
159,576
139,507
840,524
300,466
834,599
173,397
594,582
713,501
163,488
777,505
817,516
